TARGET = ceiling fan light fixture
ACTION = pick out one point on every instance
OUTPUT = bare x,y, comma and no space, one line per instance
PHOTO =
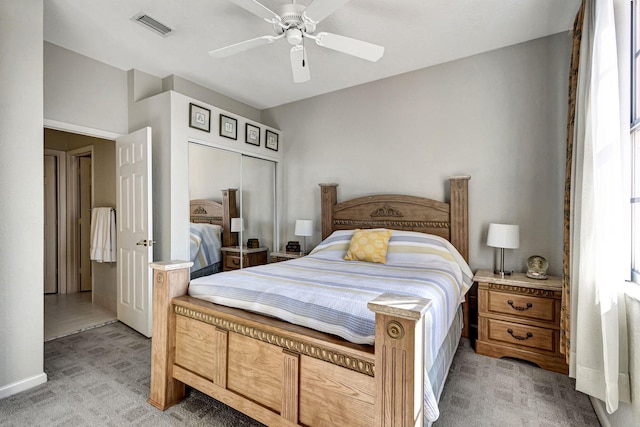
294,36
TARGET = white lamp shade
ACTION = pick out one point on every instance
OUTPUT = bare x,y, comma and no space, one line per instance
304,227
237,225
505,236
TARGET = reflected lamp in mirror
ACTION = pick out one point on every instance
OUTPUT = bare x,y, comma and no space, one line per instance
503,236
237,225
304,228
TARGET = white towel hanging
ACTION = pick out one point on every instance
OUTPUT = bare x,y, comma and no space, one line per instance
103,235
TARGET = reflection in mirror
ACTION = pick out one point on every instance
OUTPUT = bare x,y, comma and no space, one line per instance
210,171
257,205
213,169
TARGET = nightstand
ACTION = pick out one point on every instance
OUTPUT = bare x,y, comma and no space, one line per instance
250,257
284,256
520,317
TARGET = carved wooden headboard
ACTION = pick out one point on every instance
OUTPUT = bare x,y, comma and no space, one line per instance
449,220
210,212
399,212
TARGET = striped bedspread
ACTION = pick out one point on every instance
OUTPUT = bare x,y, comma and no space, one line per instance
204,244
322,291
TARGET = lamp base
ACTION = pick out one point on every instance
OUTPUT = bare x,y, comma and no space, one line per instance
502,273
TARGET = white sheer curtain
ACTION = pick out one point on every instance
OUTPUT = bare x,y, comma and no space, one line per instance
600,218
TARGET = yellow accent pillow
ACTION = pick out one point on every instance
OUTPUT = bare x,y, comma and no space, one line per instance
369,245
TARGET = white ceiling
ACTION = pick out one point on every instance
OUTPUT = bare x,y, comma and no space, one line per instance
415,34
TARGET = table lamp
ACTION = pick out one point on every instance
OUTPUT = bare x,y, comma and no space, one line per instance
237,225
503,236
304,228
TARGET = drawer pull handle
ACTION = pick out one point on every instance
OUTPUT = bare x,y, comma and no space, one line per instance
235,261
518,337
529,305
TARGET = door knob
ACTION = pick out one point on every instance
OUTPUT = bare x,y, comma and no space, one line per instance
146,242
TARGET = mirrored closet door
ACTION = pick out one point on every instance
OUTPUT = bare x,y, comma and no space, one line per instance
257,200
212,170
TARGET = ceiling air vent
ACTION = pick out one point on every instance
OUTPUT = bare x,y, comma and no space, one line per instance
152,24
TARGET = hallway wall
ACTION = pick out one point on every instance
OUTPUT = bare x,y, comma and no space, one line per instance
22,195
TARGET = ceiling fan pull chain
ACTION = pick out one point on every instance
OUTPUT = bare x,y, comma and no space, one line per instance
303,63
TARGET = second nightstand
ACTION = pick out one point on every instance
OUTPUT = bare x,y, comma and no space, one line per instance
520,317
231,259
284,256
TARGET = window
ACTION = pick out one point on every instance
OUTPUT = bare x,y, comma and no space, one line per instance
635,143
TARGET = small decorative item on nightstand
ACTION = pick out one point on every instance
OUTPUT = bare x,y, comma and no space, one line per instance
253,243
537,267
293,246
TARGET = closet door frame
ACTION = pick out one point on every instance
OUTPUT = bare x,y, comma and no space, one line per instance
73,248
61,160
277,194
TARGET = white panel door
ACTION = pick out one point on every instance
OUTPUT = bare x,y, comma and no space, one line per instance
135,229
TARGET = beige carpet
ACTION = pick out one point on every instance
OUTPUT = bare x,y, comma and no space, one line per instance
483,391
100,377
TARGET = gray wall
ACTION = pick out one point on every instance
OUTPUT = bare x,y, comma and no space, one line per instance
22,195
195,91
82,91
499,116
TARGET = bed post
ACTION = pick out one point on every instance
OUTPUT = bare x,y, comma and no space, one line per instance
459,212
230,210
328,199
399,359
170,280
459,217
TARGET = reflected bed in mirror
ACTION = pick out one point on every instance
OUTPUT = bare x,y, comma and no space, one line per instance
209,231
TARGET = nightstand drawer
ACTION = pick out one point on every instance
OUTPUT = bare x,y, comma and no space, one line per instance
250,257
522,335
284,256
232,262
521,305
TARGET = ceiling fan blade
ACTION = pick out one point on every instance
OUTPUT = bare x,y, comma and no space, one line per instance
320,9
299,64
259,9
369,51
223,52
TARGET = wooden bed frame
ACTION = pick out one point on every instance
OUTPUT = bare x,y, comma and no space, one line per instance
210,212
285,375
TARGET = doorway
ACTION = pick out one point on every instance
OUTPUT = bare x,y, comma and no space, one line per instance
71,302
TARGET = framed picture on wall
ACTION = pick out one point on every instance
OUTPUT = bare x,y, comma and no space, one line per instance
272,141
199,118
252,134
228,127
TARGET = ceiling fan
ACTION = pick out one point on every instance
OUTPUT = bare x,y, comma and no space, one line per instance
295,22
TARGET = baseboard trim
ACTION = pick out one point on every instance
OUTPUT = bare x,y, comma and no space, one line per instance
22,385
601,411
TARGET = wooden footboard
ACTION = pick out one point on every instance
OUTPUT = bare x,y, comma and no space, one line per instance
282,374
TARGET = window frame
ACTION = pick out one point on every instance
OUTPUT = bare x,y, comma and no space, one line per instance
634,140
